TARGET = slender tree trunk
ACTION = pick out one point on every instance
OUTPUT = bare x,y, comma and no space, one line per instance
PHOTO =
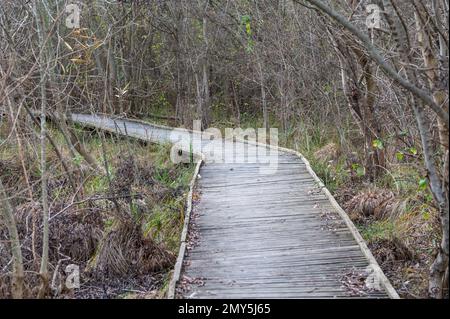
437,85
19,148
205,83
43,271
263,95
7,212
440,264
76,143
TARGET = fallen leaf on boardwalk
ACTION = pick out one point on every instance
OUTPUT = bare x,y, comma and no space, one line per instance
354,282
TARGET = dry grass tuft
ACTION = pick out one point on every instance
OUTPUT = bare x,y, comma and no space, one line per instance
378,204
73,238
329,152
124,251
11,173
73,234
401,236
392,250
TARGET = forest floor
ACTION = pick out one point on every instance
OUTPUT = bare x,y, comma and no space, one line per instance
122,231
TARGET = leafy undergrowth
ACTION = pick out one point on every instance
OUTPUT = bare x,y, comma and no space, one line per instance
122,228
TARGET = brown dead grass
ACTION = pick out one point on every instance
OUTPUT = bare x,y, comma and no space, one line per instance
73,238
376,204
406,248
329,152
114,258
124,251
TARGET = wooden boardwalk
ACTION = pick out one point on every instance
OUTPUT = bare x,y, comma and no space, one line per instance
267,235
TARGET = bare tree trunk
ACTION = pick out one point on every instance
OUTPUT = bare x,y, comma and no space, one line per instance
376,155
263,95
43,271
440,264
439,268
19,148
202,81
361,100
236,102
205,82
431,62
7,212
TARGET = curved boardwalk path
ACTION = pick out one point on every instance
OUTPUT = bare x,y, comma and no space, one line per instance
264,235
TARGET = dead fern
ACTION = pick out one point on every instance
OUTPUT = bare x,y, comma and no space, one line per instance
124,251
377,204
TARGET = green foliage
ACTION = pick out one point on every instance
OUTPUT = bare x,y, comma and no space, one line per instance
78,159
96,184
378,144
164,225
327,88
378,230
426,215
333,176
246,22
109,224
250,45
358,169
245,19
400,156
423,184
413,150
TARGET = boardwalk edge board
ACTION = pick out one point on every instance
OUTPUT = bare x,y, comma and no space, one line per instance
383,280
187,217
